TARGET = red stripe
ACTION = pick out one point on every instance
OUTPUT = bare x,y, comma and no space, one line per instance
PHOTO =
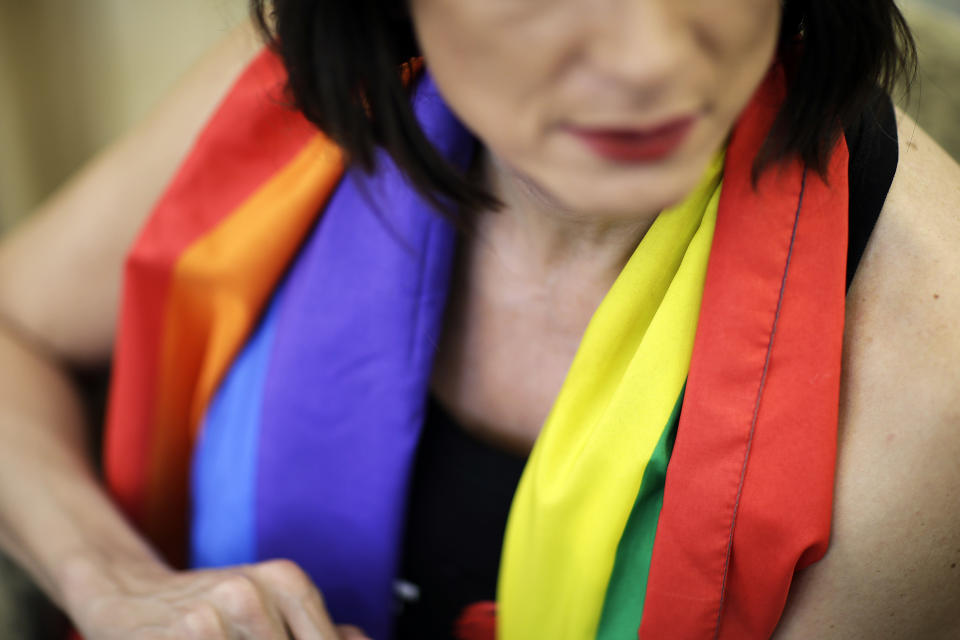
252,135
750,484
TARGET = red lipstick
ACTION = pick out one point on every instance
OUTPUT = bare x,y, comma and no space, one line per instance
636,145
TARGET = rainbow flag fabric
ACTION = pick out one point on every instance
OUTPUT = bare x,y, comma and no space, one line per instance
277,334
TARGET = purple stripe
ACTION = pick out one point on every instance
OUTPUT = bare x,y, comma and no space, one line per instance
357,325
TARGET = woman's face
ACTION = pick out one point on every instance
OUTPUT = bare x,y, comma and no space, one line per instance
605,106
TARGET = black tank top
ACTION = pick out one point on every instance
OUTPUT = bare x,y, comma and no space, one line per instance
461,488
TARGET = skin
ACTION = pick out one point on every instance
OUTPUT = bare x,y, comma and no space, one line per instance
514,324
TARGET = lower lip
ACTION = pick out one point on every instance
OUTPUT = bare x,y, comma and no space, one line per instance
636,146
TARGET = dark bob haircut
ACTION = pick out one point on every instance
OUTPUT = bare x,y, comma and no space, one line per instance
343,59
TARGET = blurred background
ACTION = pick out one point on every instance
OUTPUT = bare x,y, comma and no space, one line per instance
75,74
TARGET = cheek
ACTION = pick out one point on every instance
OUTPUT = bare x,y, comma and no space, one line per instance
737,45
473,42
494,60
739,32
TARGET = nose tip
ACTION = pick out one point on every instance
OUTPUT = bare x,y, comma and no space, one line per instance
636,42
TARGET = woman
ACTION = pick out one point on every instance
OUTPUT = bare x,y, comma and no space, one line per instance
592,119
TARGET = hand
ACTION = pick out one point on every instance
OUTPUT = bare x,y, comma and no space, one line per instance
268,601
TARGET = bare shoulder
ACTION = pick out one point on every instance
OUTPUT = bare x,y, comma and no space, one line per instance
905,300
893,568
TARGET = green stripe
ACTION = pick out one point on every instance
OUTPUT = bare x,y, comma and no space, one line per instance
623,604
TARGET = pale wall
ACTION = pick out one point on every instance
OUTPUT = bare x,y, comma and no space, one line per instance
76,73
935,99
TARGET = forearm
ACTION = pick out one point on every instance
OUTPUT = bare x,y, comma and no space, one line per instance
55,517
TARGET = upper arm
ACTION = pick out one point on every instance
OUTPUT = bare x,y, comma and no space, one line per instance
61,268
893,567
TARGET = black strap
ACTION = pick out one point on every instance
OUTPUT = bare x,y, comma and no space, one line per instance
872,141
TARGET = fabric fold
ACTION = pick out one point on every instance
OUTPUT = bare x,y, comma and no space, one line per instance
749,487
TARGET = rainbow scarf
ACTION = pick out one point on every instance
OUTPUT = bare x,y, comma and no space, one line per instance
286,354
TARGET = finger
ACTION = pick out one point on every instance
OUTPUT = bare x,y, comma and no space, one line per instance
246,610
202,622
306,620
299,601
350,632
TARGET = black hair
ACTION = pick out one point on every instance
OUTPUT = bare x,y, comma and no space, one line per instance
343,59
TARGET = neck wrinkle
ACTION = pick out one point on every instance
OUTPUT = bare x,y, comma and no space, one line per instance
536,235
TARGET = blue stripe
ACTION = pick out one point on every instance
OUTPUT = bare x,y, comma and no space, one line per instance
223,527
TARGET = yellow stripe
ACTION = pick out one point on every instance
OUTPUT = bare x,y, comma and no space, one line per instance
582,478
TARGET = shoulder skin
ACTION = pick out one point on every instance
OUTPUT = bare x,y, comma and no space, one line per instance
893,568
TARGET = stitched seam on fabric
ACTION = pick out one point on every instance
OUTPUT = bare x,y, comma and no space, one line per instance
756,407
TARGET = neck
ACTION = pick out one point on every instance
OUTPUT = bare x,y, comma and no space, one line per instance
536,237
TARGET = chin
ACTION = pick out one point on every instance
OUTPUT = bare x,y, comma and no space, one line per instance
584,185
620,195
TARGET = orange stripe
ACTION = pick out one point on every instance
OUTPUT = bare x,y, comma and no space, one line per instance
251,137
220,285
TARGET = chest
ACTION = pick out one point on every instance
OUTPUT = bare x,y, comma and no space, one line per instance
498,371
504,351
